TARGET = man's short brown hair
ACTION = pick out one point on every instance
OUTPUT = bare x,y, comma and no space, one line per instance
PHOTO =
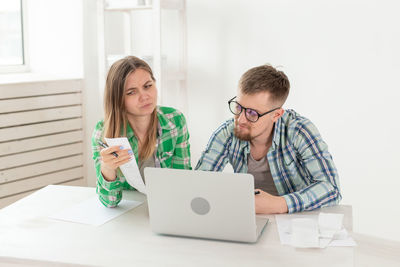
266,78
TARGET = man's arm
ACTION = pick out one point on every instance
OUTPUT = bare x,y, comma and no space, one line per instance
215,156
324,187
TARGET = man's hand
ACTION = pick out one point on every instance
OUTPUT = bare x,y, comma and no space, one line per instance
267,203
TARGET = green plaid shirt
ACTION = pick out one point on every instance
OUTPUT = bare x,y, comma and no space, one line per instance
173,151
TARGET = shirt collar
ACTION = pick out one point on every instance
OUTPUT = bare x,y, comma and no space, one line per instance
129,131
246,147
164,122
277,129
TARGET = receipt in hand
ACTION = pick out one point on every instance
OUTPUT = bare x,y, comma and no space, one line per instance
130,169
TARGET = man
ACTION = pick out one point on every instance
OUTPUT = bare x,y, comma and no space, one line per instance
284,151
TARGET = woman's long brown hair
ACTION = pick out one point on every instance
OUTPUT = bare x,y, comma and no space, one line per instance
115,119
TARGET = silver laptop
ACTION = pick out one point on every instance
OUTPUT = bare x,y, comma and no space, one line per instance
212,205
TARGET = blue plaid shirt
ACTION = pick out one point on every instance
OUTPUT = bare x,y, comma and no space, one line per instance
300,164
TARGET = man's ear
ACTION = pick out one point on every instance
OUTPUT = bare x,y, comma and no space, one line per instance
277,114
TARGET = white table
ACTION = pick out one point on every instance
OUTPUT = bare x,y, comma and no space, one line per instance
29,238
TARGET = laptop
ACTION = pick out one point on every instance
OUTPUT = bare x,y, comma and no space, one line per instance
203,204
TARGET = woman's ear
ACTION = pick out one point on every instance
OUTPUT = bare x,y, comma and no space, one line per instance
277,114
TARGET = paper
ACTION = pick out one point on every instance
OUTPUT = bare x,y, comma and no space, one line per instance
284,224
92,212
299,230
329,224
305,233
130,169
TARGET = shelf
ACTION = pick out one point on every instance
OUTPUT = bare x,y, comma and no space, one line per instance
125,6
172,4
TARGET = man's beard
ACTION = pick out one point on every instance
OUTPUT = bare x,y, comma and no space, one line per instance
242,136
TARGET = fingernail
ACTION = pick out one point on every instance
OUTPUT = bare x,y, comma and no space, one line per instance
130,152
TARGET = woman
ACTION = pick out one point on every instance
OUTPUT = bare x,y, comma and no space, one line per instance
158,135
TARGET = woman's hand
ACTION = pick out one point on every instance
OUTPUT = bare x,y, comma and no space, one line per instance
110,163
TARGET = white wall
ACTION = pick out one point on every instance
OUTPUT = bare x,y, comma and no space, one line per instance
55,36
343,61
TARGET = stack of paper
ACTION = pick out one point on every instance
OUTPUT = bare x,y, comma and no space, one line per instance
313,231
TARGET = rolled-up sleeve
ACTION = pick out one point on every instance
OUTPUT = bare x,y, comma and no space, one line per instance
110,192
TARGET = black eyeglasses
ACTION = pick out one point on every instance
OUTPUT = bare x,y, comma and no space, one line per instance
251,114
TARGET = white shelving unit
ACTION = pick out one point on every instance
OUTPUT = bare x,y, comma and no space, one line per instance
128,13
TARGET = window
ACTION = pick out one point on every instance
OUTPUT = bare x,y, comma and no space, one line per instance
12,46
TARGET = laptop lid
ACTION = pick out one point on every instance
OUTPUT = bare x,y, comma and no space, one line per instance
215,205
